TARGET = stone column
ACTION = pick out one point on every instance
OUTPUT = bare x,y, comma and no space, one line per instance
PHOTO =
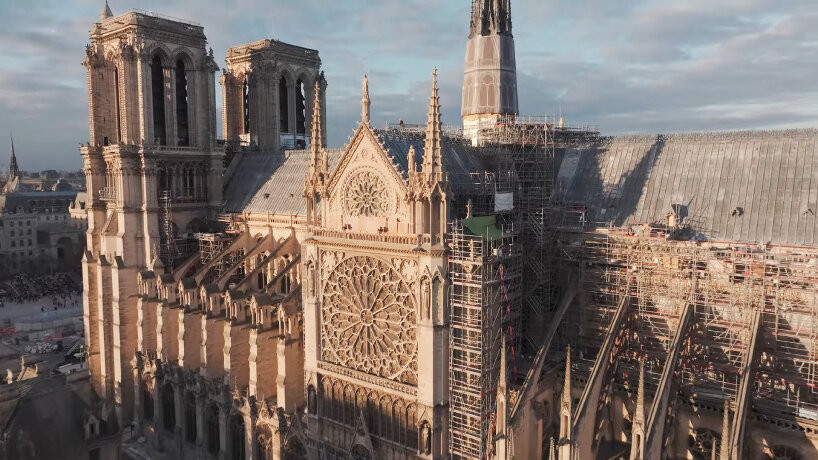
137,366
250,435
291,88
170,104
145,99
157,410
309,96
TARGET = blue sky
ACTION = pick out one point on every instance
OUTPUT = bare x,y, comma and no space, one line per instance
627,66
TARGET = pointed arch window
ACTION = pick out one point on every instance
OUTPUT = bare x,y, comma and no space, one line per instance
237,437
213,440
168,408
283,106
245,92
118,105
158,99
182,126
190,417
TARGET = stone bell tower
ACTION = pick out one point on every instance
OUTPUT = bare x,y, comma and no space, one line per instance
490,74
152,149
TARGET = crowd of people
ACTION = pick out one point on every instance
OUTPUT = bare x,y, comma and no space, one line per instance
60,288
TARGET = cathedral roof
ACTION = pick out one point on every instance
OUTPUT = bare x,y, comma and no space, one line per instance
48,419
460,160
188,283
271,183
734,186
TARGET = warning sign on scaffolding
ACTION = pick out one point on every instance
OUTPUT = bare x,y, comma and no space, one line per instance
503,201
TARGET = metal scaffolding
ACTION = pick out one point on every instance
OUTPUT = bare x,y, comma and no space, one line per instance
174,247
485,271
524,148
211,248
726,284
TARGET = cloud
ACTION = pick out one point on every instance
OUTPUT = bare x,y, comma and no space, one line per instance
638,66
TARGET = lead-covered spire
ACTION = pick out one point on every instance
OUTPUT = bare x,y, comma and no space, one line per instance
14,169
490,71
106,12
490,17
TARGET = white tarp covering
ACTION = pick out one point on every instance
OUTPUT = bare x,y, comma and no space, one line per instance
503,201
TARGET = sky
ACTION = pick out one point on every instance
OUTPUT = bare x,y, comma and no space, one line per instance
627,66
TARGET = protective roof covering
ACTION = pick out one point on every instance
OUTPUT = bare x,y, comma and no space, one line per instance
735,186
460,160
271,183
485,226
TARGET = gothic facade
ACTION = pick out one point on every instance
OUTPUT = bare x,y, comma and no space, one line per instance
523,289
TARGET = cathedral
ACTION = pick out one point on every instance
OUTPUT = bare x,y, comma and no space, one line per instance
520,288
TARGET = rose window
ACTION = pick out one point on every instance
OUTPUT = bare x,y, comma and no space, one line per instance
368,320
366,195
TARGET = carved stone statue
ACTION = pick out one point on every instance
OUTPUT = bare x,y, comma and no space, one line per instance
312,404
426,438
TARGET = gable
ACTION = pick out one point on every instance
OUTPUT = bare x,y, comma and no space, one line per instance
365,150
366,182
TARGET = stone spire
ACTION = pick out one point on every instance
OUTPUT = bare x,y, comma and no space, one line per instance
638,429
106,12
724,449
432,154
490,17
503,400
566,440
552,452
566,386
365,103
317,167
316,133
14,170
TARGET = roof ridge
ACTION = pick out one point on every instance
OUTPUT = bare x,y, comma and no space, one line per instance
713,135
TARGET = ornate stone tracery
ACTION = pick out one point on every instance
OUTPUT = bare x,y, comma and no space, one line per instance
366,194
369,320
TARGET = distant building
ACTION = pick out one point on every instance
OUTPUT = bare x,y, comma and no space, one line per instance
78,213
37,231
